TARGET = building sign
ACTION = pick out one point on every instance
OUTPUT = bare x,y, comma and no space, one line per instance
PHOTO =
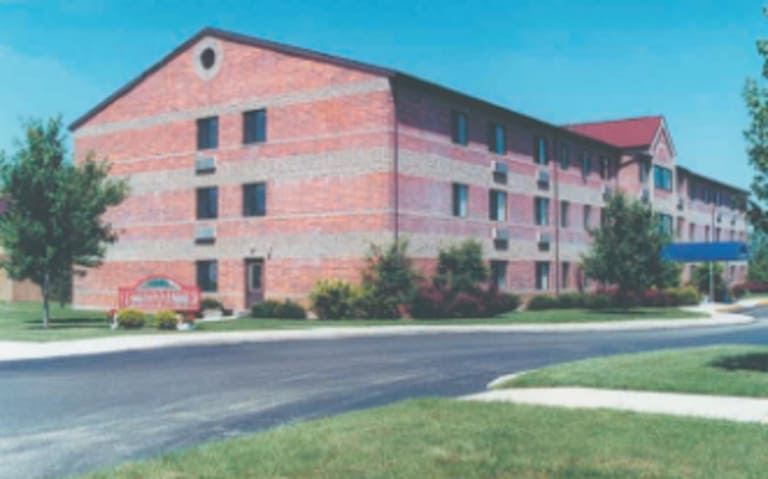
159,292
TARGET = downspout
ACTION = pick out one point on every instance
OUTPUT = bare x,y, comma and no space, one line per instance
395,163
555,177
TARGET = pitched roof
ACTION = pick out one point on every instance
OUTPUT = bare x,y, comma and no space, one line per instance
627,133
323,57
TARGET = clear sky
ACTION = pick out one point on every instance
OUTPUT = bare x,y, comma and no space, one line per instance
561,61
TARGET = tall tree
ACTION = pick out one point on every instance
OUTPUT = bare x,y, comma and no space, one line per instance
756,97
53,226
460,268
626,249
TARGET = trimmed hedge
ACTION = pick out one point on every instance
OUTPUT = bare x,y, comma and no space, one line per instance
687,296
271,308
334,299
131,318
210,303
166,320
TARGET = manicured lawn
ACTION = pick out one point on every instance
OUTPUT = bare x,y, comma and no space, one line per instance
21,321
524,317
452,439
723,370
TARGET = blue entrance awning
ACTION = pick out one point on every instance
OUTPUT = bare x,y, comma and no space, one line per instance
695,252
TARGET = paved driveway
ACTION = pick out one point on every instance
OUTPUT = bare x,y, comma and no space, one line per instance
68,416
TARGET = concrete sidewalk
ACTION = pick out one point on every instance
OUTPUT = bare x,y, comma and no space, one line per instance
729,408
21,350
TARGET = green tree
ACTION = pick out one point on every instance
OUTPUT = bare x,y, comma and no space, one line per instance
460,268
626,248
756,135
758,257
53,226
700,280
389,280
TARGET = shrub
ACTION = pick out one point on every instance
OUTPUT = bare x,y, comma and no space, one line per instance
685,296
290,310
210,303
334,299
166,320
570,301
598,301
499,303
265,309
388,282
542,302
466,305
461,269
428,303
130,318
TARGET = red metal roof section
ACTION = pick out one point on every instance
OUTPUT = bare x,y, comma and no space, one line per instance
627,133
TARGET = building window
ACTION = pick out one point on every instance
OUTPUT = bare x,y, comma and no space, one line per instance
207,276
541,211
207,203
564,207
255,199
540,151
706,234
208,133
497,205
587,217
586,164
718,232
499,274
644,169
565,275
664,223
254,126
497,139
605,168
691,232
662,178
459,128
542,275
565,159
680,227
460,193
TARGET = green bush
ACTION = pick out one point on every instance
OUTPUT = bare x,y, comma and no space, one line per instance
542,302
499,303
334,299
570,301
599,301
131,318
461,269
211,303
166,320
685,296
290,310
388,282
265,309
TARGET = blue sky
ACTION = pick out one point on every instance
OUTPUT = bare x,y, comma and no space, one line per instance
561,61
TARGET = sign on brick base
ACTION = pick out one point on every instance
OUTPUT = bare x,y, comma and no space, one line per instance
159,292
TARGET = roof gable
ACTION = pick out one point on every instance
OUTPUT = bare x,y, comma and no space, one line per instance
627,133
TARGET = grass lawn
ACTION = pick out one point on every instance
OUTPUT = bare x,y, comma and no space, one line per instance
21,321
724,370
452,439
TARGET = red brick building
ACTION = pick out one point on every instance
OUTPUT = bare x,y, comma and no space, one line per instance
258,168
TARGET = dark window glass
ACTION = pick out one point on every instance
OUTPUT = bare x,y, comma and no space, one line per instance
208,133
586,164
542,275
459,128
497,205
565,275
587,217
207,276
540,151
604,168
497,139
255,199
208,58
662,178
564,206
460,193
499,274
255,126
541,211
207,203
565,159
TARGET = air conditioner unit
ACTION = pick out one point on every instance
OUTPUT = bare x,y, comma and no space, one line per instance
500,234
645,195
544,238
607,192
500,167
206,164
719,217
205,234
680,203
543,178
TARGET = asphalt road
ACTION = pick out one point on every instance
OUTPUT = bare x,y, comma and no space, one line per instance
68,416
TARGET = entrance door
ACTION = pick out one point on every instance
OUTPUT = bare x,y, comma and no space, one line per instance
254,281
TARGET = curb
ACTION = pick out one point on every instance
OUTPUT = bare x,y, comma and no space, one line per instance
15,351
